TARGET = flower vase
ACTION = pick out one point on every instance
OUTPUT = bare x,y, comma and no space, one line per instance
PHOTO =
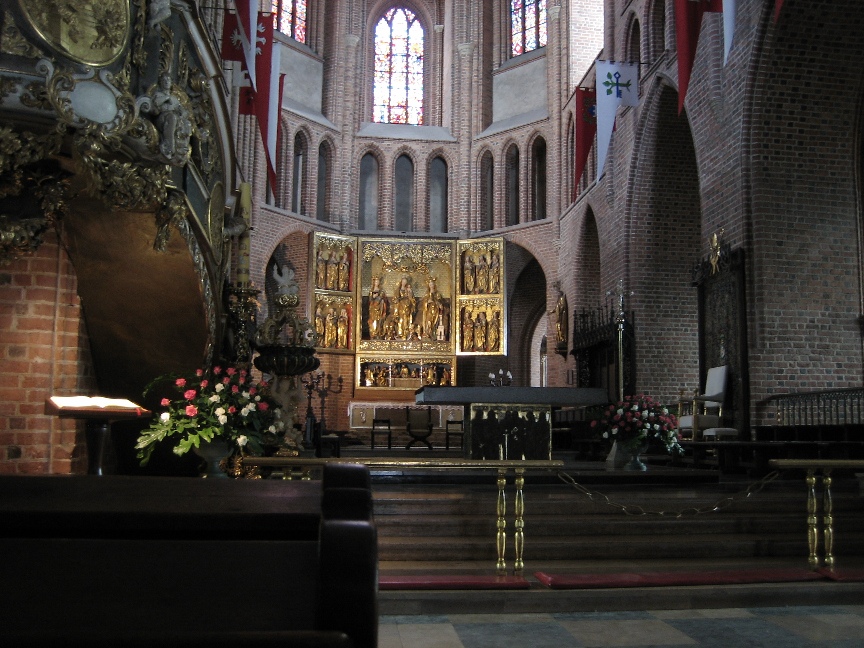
213,453
635,463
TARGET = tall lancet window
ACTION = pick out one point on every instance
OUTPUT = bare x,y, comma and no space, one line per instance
398,88
527,25
290,17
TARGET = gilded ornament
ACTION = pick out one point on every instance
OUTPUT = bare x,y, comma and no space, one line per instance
90,32
12,41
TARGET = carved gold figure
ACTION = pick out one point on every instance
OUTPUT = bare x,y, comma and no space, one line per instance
482,275
342,329
377,309
493,335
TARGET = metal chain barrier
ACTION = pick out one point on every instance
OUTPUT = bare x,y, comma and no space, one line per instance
719,505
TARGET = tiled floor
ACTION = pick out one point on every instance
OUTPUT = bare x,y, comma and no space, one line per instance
782,627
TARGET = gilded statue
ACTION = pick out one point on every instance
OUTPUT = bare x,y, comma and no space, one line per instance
342,329
377,309
493,332
320,323
431,376
480,332
561,318
482,275
432,310
330,329
494,273
321,269
406,304
332,276
343,272
468,277
467,331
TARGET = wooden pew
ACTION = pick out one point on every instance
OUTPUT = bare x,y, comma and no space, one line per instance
96,560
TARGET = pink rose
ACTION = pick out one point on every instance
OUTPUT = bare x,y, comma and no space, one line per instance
180,382
191,410
189,394
263,406
199,372
204,384
234,389
165,402
232,409
217,370
252,391
230,371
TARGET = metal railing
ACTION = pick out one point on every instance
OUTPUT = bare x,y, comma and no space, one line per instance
830,407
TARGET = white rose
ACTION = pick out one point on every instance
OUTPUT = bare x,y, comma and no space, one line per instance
220,411
242,440
219,387
164,417
214,398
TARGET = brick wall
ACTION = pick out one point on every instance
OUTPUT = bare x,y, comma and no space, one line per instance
43,351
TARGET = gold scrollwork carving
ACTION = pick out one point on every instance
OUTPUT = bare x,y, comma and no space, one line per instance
12,41
91,32
21,234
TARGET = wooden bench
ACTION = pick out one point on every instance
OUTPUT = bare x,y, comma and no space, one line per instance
96,560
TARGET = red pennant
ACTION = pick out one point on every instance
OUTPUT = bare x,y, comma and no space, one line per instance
778,6
586,129
688,24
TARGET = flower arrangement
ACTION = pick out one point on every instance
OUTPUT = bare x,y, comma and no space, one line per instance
223,403
634,421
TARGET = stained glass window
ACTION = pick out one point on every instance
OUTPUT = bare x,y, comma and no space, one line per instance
527,25
290,18
398,88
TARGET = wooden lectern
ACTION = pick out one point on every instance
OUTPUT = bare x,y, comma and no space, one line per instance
99,413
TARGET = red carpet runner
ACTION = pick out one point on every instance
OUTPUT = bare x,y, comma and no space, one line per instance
669,579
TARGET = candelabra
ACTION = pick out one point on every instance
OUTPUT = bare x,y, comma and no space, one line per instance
313,385
501,380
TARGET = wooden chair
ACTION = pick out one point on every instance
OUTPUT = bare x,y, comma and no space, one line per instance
381,426
702,411
455,428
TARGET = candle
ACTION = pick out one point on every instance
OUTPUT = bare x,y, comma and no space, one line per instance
244,244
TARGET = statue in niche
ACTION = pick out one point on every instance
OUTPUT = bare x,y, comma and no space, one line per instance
321,268
406,304
494,273
433,308
561,317
320,323
480,332
467,331
482,275
332,276
330,332
431,375
445,377
468,277
493,334
342,329
377,309
343,272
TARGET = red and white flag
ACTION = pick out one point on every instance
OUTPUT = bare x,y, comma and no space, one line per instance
268,96
239,42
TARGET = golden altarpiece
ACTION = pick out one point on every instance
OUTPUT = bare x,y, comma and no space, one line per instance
407,307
